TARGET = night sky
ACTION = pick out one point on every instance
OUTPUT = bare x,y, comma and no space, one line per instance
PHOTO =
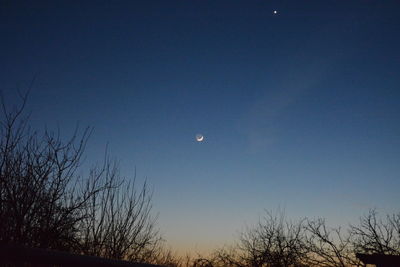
299,110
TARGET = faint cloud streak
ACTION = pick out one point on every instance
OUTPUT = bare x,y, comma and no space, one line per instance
260,124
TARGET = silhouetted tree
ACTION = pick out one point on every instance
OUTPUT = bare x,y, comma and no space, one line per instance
117,222
274,242
44,203
331,247
377,235
328,247
39,205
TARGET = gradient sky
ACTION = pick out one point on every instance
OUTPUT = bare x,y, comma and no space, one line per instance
300,110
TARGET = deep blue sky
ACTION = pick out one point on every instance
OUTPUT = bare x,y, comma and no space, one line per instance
300,110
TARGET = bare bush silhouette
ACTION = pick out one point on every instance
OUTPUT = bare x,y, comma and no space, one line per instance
274,242
332,247
328,247
45,203
117,222
39,206
377,235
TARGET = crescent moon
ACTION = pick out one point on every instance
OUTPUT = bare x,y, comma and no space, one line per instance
199,138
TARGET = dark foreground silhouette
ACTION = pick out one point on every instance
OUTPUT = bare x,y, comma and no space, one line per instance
17,254
379,260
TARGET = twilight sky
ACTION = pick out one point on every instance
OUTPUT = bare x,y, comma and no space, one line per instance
300,109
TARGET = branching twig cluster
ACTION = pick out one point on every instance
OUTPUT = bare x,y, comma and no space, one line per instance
45,203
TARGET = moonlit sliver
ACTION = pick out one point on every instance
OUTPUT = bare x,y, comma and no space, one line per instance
199,137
